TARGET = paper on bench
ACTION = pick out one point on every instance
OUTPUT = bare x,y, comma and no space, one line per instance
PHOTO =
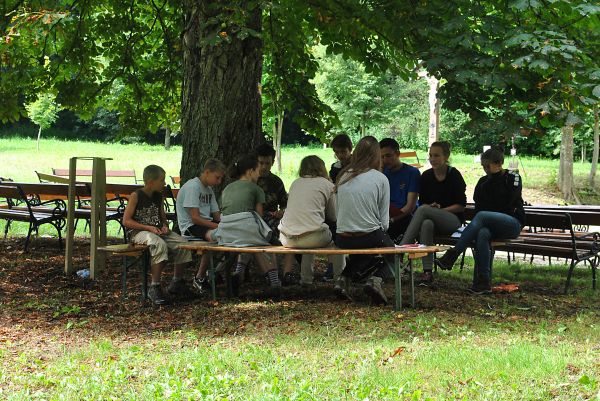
411,246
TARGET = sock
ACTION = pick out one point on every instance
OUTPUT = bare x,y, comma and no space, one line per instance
273,277
155,283
240,270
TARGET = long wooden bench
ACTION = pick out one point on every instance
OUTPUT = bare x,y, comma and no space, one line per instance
202,247
411,154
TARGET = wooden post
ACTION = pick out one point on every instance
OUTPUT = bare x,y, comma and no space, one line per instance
70,216
98,218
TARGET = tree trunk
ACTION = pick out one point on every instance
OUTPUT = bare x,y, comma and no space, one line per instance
596,146
277,134
434,109
565,172
221,104
38,139
167,138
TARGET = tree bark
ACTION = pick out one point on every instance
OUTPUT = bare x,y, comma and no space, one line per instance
221,104
596,148
38,138
565,172
167,138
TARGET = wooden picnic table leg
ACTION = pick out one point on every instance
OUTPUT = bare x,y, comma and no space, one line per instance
211,275
412,283
397,282
124,278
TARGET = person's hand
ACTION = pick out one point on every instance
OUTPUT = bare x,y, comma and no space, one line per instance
435,205
164,230
277,215
155,230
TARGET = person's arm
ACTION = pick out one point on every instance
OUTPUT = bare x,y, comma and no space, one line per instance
163,218
384,204
216,216
128,220
331,208
259,209
198,220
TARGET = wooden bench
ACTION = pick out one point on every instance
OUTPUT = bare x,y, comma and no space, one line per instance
140,255
19,207
202,247
411,154
64,172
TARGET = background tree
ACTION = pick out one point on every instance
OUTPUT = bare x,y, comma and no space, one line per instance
43,112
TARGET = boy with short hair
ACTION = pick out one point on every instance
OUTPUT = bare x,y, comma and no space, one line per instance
275,195
404,187
198,213
146,221
342,148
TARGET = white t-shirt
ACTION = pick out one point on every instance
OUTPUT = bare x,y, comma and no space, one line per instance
310,203
194,194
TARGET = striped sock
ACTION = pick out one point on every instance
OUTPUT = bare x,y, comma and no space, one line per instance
240,270
274,278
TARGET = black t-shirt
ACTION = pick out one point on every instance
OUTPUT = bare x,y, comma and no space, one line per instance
448,192
500,192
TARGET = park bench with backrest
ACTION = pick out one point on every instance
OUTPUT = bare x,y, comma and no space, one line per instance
64,172
551,231
21,207
413,158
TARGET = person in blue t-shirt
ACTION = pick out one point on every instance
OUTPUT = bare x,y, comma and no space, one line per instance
404,187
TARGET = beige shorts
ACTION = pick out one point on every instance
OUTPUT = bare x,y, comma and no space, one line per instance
164,247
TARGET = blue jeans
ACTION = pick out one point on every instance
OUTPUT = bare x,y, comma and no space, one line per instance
485,227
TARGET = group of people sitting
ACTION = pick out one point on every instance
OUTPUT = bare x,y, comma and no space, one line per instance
368,199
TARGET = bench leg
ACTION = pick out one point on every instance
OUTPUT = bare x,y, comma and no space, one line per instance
124,279
397,282
28,236
145,261
594,263
7,227
462,261
571,268
412,283
212,275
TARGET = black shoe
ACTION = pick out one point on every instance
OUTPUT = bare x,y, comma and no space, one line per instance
178,288
374,290
447,260
480,289
155,295
289,278
202,285
328,276
425,279
236,283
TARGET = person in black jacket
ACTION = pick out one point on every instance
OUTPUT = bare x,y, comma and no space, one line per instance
442,202
499,213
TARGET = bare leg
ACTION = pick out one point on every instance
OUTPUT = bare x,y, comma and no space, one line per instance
156,271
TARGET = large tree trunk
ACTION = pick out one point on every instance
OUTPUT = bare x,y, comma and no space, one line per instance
167,138
595,151
221,104
565,172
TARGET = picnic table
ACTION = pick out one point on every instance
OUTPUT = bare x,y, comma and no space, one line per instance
412,252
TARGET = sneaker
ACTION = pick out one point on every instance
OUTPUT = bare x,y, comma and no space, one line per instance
178,288
480,289
156,296
341,289
425,279
373,289
328,276
447,260
236,283
289,278
273,291
202,285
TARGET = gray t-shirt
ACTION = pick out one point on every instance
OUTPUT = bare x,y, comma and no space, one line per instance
363,203
194,194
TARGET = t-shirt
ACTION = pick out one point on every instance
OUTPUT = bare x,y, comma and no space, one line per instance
363,203
310,203
275,196
194,194
448,192
402,181
335,170
241,196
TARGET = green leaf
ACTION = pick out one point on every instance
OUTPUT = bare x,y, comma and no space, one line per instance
585,380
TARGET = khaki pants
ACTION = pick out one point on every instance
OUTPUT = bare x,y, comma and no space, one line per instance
316,239
163,246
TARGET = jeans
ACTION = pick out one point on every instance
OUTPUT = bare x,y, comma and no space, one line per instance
426,222
485,227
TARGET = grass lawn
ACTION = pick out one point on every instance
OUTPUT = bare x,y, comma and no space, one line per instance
60,340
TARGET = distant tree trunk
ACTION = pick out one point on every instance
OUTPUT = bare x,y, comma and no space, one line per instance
565,172
221,104
167,138
38,138
277,134
434,109
583,152
595,151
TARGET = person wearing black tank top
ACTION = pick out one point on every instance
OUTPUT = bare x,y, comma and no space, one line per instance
146,222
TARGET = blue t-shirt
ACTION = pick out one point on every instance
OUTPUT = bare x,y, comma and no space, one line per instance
402,181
